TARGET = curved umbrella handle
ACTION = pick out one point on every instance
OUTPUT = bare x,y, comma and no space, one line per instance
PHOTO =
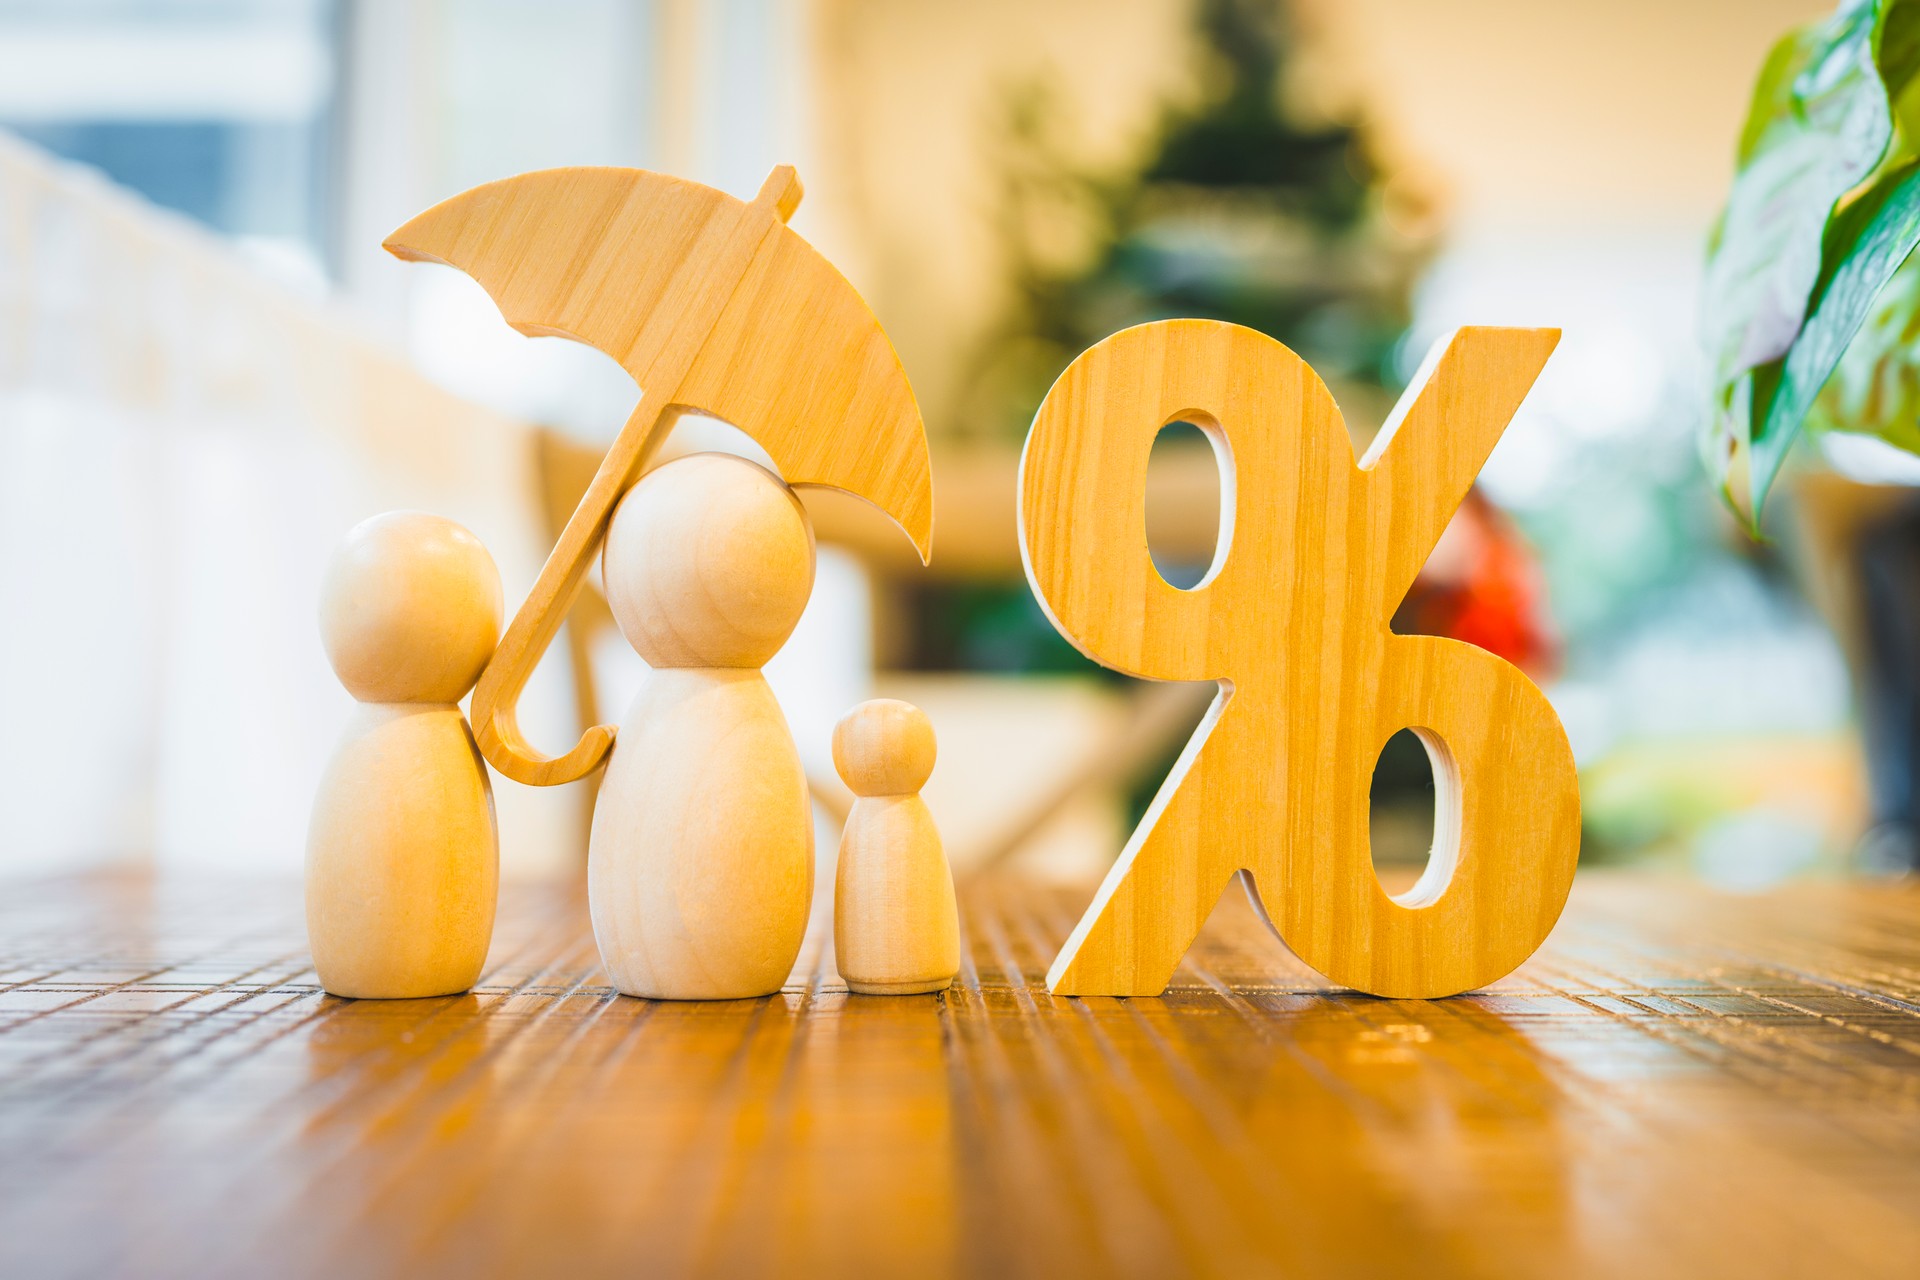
496,699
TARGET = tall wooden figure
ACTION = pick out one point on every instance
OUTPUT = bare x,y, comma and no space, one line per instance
403,854
896,929
700,865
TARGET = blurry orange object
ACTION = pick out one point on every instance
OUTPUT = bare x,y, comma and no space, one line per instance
1481,585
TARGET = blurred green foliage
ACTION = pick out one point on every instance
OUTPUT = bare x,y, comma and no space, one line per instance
1238,210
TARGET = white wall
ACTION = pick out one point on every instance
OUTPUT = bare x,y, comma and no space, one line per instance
181,445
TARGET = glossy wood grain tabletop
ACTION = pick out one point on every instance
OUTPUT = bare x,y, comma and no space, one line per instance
1680,1084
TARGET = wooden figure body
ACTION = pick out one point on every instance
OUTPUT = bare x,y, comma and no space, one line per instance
700,864
1315,554
896,928
403,852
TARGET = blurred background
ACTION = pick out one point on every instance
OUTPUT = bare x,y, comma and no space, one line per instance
209,370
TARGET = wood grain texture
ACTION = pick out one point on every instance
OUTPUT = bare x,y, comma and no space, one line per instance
700,862
1680,1083
710,303
403,852
700,865
1292,620
896,929
403,856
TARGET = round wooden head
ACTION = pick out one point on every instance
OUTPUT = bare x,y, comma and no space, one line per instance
708,563
884,748
410,609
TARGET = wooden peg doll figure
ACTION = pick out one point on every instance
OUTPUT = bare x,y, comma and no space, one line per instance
700,865
896,928
402,852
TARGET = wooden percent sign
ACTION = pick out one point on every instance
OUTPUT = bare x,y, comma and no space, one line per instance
1315,553
711,304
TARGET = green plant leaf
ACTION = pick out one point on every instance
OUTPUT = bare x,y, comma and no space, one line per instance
1899,61
1866,244
1819,124
1876,386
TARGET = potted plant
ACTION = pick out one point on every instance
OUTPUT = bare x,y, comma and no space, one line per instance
1810,318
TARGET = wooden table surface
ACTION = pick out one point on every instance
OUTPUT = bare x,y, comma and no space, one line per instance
1680,1084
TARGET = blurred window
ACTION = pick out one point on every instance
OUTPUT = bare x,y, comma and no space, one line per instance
222,110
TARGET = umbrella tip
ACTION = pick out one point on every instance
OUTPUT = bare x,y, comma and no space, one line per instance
408,243
781,191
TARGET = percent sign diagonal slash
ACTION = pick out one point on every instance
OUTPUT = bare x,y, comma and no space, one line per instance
712,304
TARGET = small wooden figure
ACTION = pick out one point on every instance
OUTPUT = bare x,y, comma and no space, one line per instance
896,929
700,864
402,853
1315,553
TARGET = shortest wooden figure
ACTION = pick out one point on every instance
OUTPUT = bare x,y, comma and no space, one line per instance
896,929
403,854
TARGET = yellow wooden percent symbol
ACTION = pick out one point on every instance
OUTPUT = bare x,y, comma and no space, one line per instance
1292,620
